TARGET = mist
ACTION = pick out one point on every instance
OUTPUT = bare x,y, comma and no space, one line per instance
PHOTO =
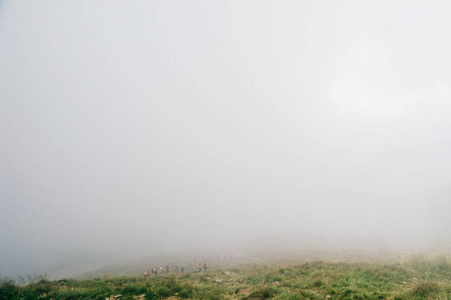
160,127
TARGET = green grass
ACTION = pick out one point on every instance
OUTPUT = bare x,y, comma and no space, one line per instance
417,277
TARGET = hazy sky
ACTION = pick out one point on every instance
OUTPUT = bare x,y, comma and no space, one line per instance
168,125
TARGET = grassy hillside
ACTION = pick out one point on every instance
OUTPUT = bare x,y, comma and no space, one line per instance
413,278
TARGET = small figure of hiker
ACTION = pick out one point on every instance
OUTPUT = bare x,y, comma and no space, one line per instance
176,268
153,270
205,266
200,268
183,269
167,268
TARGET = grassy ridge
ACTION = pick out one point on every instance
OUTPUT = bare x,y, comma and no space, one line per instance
415,278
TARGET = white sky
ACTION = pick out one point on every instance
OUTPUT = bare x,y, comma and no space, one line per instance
175,124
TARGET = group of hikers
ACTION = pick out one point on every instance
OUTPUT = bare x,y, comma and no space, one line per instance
155,270
159,270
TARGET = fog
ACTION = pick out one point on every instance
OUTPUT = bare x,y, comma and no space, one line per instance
160,127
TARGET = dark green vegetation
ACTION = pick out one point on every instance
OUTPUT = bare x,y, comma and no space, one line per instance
415,278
